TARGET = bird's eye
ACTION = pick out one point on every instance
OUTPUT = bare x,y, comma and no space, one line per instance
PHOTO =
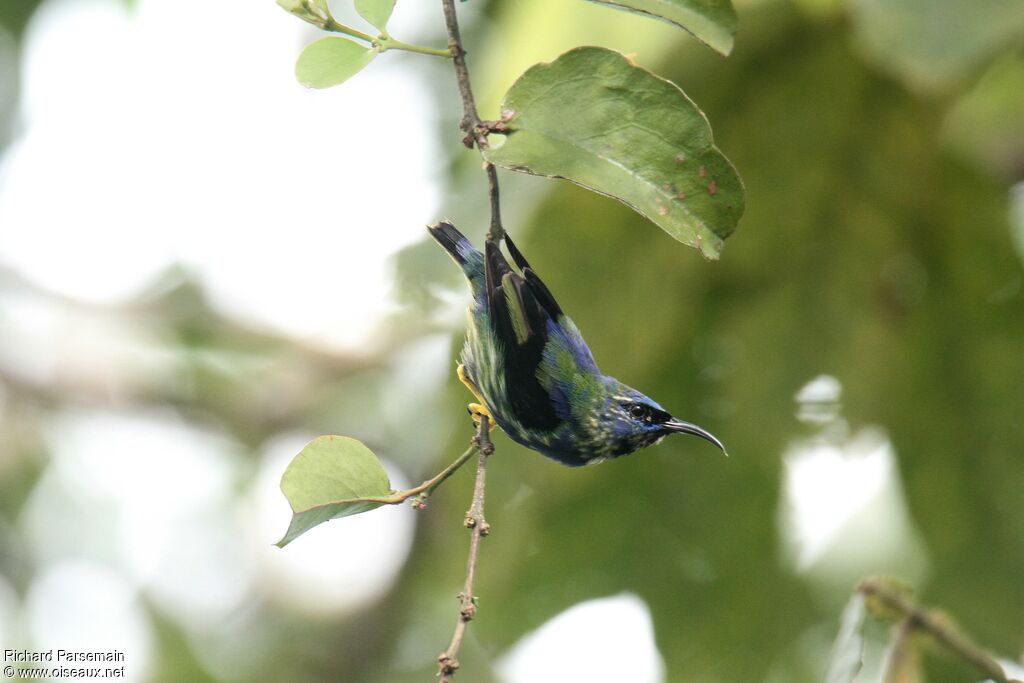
639,411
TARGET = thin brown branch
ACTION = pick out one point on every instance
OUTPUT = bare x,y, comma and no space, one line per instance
476,135
470,118
497,231
937,626
448,661
423,491
476,130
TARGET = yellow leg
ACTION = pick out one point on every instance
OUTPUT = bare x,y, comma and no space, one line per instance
476,410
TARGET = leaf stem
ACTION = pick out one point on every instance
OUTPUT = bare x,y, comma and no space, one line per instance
475,129
936,625
447,661
331,25
426,488
383,42
389,43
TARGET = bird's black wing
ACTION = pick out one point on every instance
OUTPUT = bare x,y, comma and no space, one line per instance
520,310
540,290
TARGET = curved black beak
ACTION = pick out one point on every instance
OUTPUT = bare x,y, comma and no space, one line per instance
675,425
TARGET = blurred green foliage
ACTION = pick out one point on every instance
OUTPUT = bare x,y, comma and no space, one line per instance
870,250
876,247
933,45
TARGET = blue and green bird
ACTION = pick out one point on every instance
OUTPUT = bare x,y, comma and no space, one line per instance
532,372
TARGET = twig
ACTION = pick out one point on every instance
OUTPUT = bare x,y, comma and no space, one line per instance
497,231
475,129
447,661
937,626
426,488
476,135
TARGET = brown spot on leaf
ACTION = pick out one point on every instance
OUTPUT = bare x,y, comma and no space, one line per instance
662,211
665,187
681,195
680,158
702,172
712,187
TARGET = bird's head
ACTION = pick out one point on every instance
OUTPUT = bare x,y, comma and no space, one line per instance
636,421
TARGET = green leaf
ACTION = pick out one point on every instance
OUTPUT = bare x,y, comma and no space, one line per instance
848,651
628,134
330,61
300,6
333,476
713,22
313,11
377,12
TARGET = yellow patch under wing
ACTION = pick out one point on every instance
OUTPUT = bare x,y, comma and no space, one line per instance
515,310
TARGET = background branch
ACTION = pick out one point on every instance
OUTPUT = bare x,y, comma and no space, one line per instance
936,625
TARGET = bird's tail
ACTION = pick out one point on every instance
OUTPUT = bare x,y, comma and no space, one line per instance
461,250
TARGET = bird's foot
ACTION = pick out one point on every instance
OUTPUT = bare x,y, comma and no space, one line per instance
478,411
470,384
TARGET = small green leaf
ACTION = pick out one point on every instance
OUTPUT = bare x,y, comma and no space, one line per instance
713,22
300,6
628,134
848,651
377,12
333,476
313,11
330,61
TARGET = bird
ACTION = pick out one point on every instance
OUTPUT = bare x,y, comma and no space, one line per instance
533,374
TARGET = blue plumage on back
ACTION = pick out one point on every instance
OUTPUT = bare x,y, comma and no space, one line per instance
532,371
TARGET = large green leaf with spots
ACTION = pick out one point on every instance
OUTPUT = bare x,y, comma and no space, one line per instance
594,117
